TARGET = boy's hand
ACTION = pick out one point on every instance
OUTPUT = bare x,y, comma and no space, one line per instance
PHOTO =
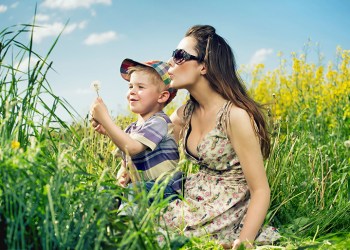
99,111
99,128
123,177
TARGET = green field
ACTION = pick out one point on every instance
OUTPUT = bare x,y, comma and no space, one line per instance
57,179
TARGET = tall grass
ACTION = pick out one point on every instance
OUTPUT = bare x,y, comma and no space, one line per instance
309,167
55,190
57,180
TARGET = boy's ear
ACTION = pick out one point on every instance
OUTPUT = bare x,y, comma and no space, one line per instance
163,96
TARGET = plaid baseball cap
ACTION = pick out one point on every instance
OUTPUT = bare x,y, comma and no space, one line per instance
160,67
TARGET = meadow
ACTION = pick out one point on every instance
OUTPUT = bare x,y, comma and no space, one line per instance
57,179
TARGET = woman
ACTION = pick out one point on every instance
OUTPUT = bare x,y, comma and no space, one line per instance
223,131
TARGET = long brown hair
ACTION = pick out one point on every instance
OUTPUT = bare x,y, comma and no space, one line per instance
222,75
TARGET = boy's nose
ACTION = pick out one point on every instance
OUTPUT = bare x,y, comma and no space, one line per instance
130,93
132,90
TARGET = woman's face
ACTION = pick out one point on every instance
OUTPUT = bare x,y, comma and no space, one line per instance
186,74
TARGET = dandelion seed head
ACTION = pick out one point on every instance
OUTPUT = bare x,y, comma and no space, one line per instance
347,143
96,85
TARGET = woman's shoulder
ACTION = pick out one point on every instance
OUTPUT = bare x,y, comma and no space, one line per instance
182,113
237,114
177,116
239,119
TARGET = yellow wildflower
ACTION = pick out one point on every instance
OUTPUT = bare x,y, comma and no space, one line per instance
15,144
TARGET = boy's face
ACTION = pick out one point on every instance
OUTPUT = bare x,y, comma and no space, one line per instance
144,93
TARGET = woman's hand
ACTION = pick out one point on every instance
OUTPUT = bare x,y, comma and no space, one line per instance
236,244
226,245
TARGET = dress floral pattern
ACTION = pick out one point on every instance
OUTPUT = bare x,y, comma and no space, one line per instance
216,198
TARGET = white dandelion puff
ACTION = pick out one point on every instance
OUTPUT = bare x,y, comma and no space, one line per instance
347,143
96,85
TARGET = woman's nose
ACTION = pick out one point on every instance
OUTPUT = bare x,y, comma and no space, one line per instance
171,62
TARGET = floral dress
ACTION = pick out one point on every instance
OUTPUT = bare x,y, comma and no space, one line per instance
216,198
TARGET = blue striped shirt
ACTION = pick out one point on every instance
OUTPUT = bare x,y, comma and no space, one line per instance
161,155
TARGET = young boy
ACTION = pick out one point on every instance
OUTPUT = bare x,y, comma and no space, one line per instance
148,142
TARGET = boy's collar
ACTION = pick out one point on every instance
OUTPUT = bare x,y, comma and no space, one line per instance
141,121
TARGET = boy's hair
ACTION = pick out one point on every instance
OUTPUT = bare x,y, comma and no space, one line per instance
155,77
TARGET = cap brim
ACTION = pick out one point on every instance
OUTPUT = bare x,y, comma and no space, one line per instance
125,66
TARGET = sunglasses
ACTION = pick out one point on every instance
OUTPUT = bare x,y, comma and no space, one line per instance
180,56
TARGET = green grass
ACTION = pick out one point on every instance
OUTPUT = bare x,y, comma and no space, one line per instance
58,189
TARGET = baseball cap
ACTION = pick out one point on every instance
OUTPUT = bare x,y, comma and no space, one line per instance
160,67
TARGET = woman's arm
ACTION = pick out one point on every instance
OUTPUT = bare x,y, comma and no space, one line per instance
177,120
246,144
121,139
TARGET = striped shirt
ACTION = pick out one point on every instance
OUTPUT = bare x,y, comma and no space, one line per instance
161,155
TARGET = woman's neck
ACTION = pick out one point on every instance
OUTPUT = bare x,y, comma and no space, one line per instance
205,96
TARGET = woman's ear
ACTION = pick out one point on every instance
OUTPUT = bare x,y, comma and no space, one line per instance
203,69
163,97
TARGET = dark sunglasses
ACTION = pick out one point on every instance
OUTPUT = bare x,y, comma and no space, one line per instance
180,56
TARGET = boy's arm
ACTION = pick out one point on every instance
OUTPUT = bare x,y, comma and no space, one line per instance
121,139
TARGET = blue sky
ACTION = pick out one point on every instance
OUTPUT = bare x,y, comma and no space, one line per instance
101,33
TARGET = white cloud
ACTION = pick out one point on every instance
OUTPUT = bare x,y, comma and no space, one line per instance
14,5
41,17
94,39
260,56
54,29
23,65
3,8
73,4
82,25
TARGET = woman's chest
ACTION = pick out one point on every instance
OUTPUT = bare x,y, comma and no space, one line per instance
214,151
199,131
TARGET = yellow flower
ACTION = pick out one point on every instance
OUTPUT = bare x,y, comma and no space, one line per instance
15,144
